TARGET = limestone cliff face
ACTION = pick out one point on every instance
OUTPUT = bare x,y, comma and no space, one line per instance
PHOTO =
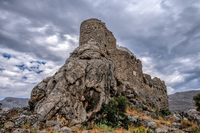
95,72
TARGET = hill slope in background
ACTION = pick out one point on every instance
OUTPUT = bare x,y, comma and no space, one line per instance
11,102
182,101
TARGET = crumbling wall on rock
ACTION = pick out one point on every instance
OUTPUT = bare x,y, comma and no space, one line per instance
128,69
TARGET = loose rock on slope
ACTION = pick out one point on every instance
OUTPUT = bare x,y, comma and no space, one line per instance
95,72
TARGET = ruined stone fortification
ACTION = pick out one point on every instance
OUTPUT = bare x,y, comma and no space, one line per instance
96,71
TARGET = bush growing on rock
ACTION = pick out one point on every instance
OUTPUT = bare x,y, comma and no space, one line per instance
196,99
164,112
114,113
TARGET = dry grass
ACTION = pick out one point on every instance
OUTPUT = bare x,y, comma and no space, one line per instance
159,122
188,124
13,114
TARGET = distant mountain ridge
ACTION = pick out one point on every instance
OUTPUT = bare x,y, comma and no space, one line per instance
11,102
182,101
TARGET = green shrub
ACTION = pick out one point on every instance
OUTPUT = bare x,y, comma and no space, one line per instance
113,113
164,112
137,123
140,130
105,127
85,127
196,99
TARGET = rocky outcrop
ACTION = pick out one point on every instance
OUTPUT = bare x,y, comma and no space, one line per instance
194,115
95,72
78,89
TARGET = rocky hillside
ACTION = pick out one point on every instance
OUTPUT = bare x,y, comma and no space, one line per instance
182,101
11,102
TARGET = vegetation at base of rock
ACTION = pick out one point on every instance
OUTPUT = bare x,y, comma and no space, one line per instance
114,113
141,130
104,127
164,112
196,99
196,130
186,124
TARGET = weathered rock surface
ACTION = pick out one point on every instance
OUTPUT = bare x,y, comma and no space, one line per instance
150,124
176,125
95,72
17,117
194,115
78,89
21,130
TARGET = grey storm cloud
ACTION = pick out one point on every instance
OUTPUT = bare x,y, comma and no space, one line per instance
164,34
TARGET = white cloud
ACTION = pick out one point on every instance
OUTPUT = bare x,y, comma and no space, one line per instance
65,46
170,90
22,80
52,39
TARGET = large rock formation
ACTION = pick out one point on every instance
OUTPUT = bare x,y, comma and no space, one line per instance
95,72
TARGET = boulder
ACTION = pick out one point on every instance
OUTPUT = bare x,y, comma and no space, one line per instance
65,130
9,125
150,124
21,130
177,117
53,123
194,115
135,119
176,125
161,130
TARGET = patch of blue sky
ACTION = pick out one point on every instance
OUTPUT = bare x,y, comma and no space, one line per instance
38,72
22,67
2,69
36,69
38,62
24,77
5,55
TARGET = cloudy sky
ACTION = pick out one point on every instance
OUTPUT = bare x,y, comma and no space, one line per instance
36,37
